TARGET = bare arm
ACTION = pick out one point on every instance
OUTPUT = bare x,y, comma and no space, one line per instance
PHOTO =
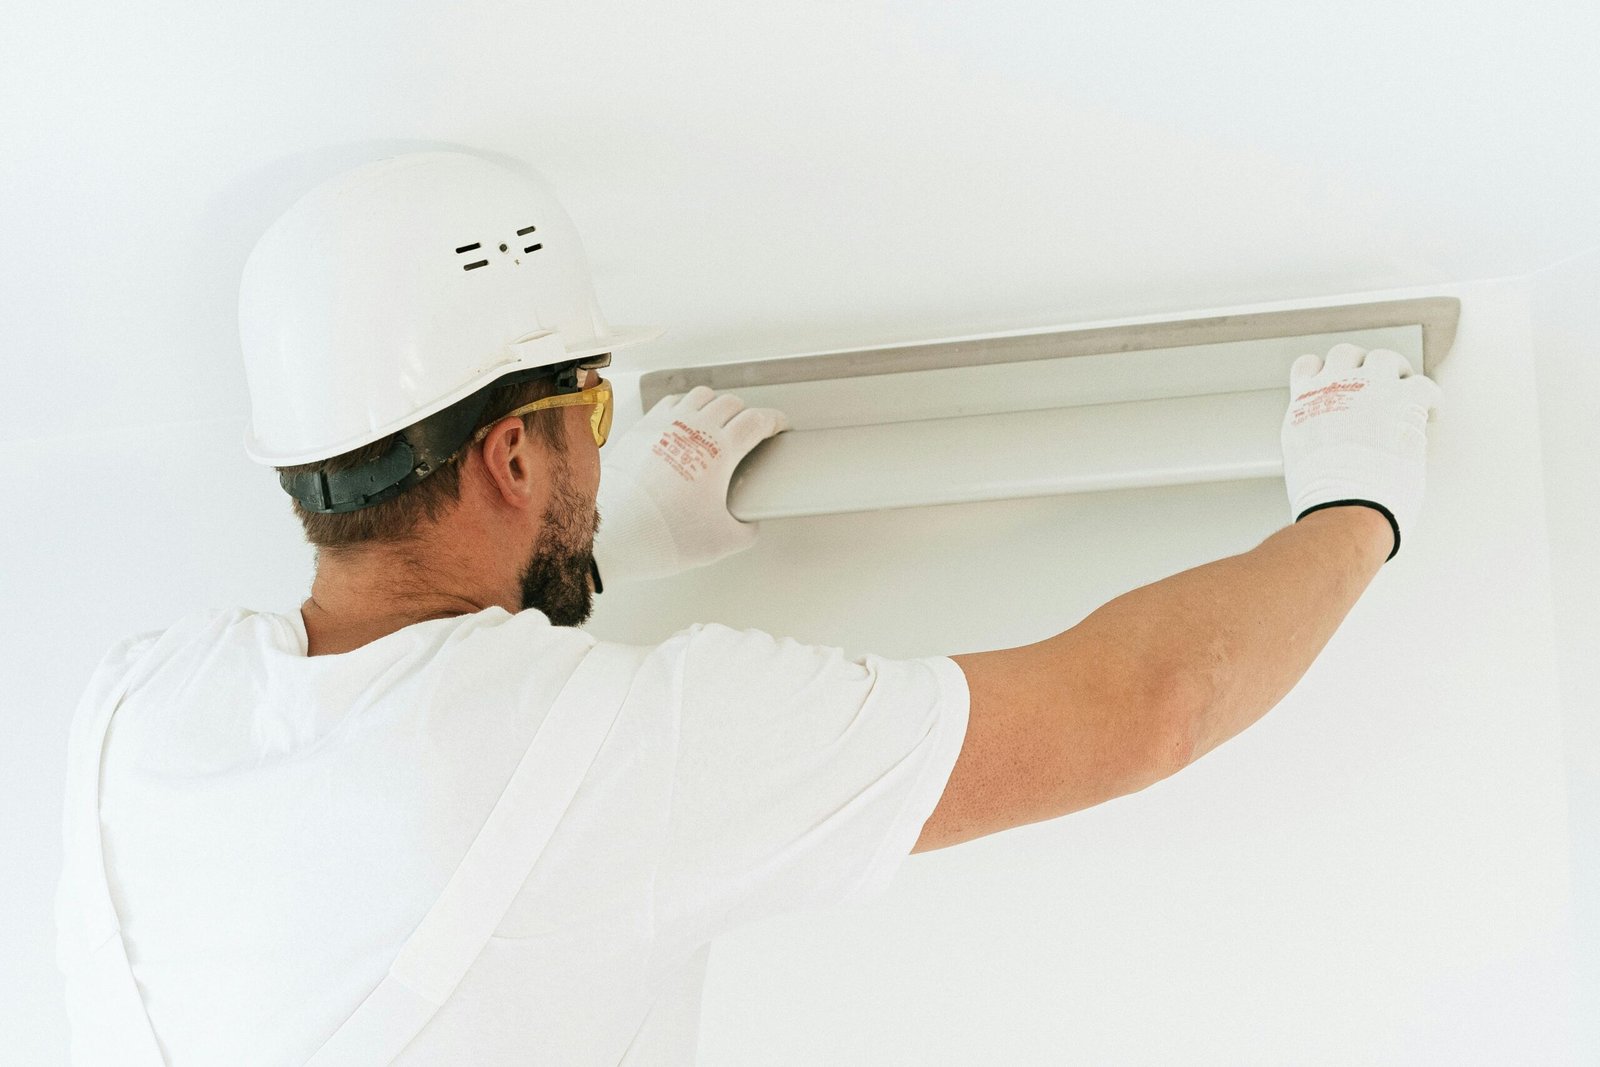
1152,680
1245,629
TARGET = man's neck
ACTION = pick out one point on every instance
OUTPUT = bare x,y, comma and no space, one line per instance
352,604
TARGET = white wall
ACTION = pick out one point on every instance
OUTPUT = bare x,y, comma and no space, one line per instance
1566,344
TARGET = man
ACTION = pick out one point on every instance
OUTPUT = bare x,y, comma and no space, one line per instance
425,819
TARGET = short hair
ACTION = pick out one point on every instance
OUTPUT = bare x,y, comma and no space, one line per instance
397,519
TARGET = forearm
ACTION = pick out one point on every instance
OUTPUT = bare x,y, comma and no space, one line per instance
1237,635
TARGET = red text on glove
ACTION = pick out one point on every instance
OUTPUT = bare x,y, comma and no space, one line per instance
1329,398
690,451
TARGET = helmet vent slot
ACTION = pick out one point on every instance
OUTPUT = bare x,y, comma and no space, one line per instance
469,248
526,230
533,248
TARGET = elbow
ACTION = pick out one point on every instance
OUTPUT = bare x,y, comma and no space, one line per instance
1182,705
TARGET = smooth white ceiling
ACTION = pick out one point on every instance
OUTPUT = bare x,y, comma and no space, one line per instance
766,178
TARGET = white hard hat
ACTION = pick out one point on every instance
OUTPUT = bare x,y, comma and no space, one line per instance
397,289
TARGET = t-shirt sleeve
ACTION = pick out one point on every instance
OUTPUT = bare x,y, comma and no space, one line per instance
74,927
802,777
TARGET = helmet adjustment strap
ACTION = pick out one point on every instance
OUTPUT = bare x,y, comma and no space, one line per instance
421,449
350,490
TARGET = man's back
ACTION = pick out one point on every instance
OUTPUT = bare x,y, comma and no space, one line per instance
276,825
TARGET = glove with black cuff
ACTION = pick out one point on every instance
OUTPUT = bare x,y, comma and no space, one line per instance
1355,433
663,496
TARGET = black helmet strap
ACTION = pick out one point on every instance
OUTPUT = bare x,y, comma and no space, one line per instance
420,450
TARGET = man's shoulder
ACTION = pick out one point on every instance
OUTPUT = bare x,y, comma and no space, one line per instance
186,627
127,652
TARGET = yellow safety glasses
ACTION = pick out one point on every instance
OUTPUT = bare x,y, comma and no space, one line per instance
598,394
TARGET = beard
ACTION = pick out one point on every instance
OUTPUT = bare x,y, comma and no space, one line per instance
556,578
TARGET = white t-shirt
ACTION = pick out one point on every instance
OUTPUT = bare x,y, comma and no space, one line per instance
276,825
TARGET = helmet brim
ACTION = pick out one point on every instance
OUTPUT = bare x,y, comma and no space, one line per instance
616,337
619,337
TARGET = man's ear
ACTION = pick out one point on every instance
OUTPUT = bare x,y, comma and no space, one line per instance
511,460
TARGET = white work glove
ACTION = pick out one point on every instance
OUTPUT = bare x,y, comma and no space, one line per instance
1355,432
663,496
